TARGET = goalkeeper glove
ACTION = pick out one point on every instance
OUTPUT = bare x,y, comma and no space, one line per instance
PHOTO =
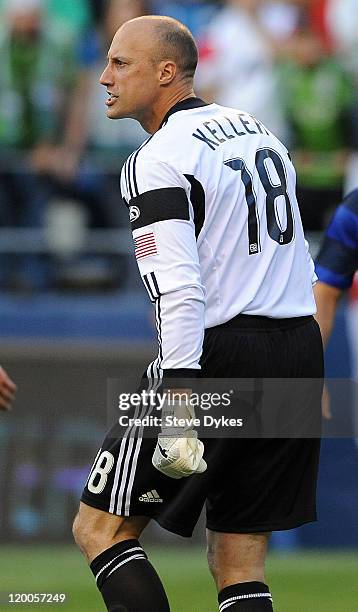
178,452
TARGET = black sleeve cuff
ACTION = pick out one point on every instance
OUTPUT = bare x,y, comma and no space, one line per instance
181,373
180,378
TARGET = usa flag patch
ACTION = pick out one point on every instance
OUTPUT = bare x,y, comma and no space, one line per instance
145,245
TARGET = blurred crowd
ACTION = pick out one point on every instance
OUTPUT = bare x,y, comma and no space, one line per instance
292,63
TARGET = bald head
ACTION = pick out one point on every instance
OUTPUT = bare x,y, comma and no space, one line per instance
169,39
151,65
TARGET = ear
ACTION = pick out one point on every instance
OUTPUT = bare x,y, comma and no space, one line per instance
167,72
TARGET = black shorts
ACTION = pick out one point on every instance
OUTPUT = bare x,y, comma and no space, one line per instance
251,485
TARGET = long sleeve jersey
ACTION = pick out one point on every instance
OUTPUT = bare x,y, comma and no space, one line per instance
216,227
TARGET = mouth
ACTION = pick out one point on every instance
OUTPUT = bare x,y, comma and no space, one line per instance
111,98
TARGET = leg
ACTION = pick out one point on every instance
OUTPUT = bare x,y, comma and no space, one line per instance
126,579
236,557
237,563
95,530
122,482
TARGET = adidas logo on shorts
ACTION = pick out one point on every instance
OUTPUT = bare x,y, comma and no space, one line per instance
151,496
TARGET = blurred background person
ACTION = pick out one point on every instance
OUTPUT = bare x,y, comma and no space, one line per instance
238,59
79,180
95,149
51,53
337,262
318,97
35,78
342,27
336,265
112,143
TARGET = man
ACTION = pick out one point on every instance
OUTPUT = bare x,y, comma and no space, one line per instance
7,390
322,142
220,247
38,70
337,262
245,75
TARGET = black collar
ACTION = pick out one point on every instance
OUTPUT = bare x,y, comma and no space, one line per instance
183,105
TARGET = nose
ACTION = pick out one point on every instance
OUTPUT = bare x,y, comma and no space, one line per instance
106,76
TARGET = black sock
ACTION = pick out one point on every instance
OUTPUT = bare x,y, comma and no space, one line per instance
245,597
127,581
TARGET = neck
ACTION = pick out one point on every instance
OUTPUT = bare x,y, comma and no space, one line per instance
152,123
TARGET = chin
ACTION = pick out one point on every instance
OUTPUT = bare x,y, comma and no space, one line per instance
115,113
111,113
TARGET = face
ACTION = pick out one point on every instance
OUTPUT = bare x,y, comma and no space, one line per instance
25,22
130,77
308,50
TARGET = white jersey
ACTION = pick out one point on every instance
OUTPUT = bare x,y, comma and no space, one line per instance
216,226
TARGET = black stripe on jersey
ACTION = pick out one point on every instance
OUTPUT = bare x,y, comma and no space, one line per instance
151,378
159,329
131,467
126,176
197,198
149,289
337,257
130,166
134,171
152,286
132,186
122,183
136,191
155,283
160,205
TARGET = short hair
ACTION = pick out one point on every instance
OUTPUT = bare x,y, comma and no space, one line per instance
177,42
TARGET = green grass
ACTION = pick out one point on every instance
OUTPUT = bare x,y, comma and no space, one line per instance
307,582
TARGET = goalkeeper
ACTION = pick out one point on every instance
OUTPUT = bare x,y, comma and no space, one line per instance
220,248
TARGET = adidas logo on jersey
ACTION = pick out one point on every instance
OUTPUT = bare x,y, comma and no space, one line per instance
151,496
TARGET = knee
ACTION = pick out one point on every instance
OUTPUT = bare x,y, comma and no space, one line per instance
81,533
88,535
94,530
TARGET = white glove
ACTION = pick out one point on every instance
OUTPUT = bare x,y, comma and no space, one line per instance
179,457
178,452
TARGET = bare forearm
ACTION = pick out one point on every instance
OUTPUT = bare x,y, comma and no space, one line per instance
327,298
